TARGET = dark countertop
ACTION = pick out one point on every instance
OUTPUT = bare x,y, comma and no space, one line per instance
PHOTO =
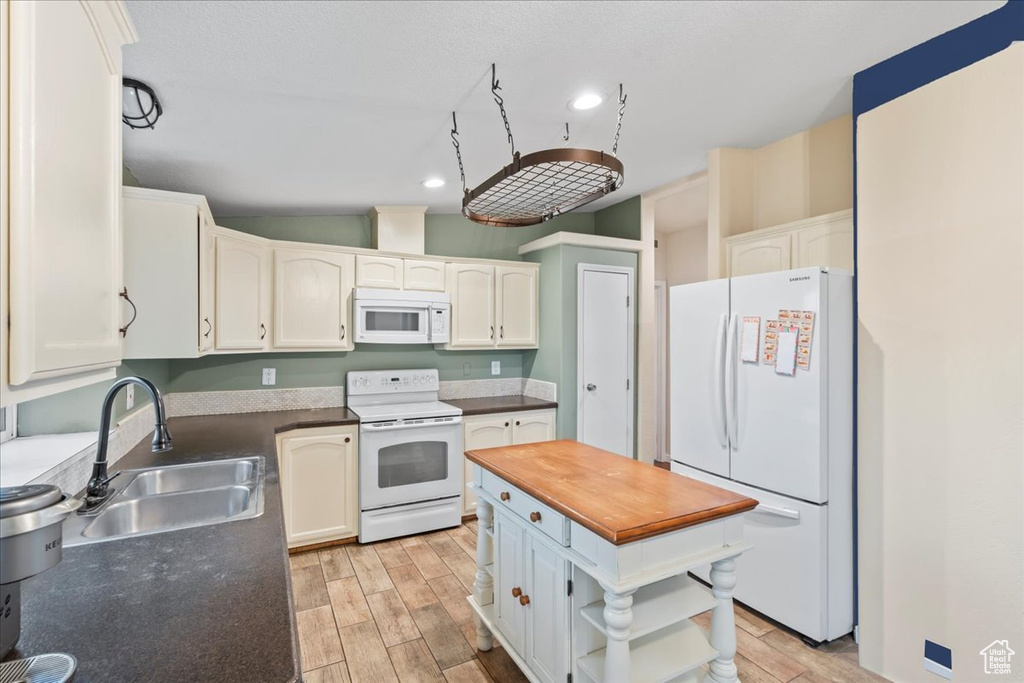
500,404
206,604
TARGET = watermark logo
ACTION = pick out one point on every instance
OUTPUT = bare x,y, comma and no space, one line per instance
997,657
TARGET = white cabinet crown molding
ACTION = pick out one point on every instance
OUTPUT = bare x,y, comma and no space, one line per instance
801,224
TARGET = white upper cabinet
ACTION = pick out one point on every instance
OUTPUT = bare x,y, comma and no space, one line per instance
825,241
764,255
826,244
312,299
379,272
472,293
516,305
63,75
493,305
424,275
171,289
242,297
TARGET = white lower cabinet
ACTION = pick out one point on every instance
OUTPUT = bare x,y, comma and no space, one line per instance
319,476
501,429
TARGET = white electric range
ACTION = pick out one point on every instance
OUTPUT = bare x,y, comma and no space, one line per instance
410,454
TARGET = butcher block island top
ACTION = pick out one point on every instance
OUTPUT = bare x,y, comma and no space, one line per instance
619,499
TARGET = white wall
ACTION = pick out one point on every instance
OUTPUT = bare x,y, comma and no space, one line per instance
941,376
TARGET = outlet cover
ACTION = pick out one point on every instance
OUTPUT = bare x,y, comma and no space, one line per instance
129,397
938,660
495,367
269,377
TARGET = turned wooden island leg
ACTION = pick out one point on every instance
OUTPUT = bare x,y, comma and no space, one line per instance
483,586
618,617
723,622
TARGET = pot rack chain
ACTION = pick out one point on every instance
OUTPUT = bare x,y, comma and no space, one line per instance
495,87
618,123
458,152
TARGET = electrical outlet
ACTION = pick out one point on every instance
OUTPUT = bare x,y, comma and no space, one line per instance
495,367
129,397
269,377
467,368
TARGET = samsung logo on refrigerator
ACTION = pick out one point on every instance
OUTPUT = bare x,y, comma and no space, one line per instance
802,277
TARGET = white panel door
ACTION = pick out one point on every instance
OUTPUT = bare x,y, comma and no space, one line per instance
509,541
481,431
319,484
472,292
65,189
243,282
312,299
777,433
698,318
379,272
516,306
764,255
424,275
533,426
547,625
605,329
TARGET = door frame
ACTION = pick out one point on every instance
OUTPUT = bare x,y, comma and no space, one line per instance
583,268
661,360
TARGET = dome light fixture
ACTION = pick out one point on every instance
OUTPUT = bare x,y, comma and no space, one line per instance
433,183
585,101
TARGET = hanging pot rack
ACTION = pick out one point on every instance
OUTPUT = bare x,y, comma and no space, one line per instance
539,186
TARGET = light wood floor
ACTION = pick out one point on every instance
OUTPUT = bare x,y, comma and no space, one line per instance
396,611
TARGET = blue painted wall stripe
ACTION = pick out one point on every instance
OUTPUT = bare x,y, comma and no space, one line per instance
938,57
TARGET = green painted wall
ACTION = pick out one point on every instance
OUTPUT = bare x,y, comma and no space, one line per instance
128,178
556,359
294,370
619,220
456,235
78,410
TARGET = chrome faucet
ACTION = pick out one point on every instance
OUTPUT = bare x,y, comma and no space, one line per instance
98,491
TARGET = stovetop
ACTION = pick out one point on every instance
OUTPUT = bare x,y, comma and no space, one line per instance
404,411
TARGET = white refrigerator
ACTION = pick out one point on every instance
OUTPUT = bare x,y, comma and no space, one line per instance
784,440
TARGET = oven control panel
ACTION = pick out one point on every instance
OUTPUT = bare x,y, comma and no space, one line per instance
391,381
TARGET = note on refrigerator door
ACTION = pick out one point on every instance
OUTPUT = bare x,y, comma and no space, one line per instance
771,338
785,357
805,321
751,337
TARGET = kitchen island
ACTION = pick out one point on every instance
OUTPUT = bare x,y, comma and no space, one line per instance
582,561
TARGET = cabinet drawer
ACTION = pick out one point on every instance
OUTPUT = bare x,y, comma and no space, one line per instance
526,507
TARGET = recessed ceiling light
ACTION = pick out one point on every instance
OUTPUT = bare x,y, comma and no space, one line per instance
433,183
587,100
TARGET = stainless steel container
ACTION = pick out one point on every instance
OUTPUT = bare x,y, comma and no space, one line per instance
30,543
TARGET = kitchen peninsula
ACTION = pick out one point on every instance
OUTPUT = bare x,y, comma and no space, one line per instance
582,560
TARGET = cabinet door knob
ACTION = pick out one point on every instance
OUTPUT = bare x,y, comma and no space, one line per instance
505,496
348,439
506,424
518,423
534,516
492,331
342,332
516,592
209,328
263,330
524,600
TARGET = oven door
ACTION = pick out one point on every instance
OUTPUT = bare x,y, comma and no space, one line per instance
405,463
390,322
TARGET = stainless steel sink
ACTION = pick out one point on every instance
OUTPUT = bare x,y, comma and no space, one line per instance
190,477
175,497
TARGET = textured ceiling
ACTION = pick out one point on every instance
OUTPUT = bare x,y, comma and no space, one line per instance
285,108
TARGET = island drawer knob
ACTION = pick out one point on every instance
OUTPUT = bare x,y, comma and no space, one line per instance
505,496
524,600
534,516
516,592
348,439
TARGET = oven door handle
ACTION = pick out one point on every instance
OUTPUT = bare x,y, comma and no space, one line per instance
371,429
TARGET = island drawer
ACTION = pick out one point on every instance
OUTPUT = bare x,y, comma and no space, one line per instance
535,513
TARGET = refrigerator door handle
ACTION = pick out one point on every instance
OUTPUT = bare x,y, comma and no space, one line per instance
721,430
731,413
788,513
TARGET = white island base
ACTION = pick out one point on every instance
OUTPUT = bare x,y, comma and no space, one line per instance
569,606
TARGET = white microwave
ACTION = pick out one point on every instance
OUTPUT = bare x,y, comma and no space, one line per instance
388,316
